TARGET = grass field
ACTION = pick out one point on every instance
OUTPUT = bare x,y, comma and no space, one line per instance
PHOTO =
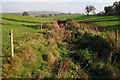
111,22
31,44
104,21
19,24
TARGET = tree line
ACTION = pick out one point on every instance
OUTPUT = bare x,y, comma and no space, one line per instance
108,10
111,10
114,9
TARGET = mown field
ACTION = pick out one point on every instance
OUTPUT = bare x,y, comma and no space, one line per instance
32,47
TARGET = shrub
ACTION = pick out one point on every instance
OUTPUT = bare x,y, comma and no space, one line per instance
45,57
25,14
84,54
85,58
93,42
103,70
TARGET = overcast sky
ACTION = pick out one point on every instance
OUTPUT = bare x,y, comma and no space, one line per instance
59,0
53,5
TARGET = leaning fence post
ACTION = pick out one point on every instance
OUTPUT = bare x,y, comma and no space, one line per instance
88,29
11,43
97,30
104,30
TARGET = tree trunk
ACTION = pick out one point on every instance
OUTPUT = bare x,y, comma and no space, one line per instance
87,13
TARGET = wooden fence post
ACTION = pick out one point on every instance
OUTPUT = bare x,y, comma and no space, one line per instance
104,30
41,24
11,43
117,38
97,30
81,27
110,55
88,29
85,29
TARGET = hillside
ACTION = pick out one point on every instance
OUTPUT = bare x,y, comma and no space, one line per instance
42,12
109,22
37,12
63,48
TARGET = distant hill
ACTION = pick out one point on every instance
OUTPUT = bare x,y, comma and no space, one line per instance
12,13
43,12
36,12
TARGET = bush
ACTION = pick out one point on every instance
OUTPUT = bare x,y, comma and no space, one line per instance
84,54
93,42
25,14
45,57
85,58
103,70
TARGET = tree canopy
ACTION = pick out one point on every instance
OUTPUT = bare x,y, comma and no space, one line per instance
89,9
25,13
113,10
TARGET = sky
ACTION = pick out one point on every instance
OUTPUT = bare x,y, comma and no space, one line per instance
59,0
73,6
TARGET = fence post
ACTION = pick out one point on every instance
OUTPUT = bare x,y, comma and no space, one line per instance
97,30
11,43
85,29
88,29
117,38
110,55
81,27
41,24
104,30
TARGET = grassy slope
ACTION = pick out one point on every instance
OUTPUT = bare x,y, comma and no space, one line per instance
26,40
19,23
104,21
19,26
12,19
112,22
25,35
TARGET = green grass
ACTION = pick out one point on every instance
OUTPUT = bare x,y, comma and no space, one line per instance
112,22
18,31
17,19
30,45
26,40
103,21
20,24
109,22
